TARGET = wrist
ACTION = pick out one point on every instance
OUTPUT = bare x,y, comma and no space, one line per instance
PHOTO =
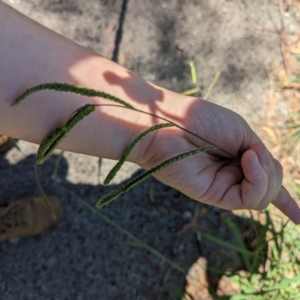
123,125
174,108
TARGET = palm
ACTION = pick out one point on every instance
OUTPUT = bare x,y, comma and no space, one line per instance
204,177
217,178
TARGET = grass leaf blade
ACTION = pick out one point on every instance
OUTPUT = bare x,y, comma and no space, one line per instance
191,91
212,85
193,72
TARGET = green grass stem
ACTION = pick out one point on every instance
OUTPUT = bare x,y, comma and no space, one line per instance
212,85
36,177
193,72
176,125
137,241
59,157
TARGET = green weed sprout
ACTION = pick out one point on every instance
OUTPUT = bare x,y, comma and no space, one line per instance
194,79
52,140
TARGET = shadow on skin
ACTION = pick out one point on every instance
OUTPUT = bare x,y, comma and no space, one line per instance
137,89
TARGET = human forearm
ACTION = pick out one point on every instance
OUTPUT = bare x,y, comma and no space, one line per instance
31,54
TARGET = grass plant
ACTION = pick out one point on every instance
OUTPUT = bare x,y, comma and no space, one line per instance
280,277
195,90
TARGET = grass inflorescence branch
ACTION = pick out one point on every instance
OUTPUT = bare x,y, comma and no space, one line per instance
134,182
49,144
65,87
118,166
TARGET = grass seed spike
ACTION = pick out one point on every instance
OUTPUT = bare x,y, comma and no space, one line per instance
118,166
131,184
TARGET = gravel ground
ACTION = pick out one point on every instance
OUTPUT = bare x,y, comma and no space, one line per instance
84,257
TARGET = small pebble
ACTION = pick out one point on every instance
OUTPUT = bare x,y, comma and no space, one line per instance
14,241
187,215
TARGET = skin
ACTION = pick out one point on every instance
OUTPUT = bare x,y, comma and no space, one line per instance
31,54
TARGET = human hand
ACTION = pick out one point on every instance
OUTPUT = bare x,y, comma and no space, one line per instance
252,181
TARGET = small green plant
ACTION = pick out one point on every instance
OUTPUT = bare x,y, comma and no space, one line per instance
271,268
49,144
279,277
194,78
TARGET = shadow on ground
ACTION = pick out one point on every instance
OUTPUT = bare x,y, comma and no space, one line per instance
84,257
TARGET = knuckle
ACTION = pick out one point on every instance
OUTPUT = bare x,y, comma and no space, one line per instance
278,167
249,204
262,206
277,163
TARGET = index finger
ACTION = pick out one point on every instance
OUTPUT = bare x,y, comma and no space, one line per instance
286,204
